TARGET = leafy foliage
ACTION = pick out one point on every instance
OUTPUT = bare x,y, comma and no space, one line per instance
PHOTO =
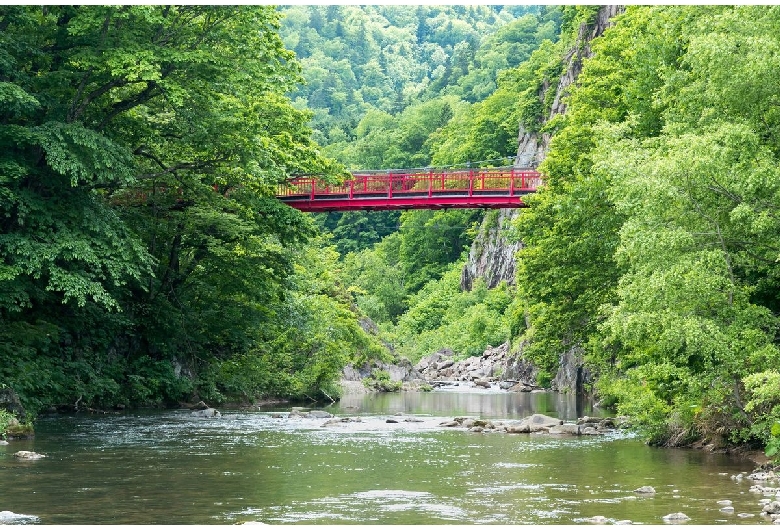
442,316
650,245
141,244
361,61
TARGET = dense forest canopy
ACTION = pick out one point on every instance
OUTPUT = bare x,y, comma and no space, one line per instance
146,261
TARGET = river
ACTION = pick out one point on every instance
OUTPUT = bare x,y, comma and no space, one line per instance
168,467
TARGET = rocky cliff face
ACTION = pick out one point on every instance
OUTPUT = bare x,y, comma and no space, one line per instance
492,256
532,147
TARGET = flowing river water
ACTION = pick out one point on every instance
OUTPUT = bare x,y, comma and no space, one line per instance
168,467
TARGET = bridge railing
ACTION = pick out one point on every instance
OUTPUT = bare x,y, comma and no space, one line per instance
506,180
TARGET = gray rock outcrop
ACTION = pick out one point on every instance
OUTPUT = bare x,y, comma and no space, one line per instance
206,413
10,402
400,370
572,375
496,366
492,254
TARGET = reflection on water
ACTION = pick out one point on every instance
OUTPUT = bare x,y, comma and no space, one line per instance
486,404
171,468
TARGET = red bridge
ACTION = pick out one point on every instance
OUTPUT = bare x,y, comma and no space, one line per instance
402,189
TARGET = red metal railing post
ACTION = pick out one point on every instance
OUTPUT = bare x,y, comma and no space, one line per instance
352,189
389,185
471,182
512,182
313,186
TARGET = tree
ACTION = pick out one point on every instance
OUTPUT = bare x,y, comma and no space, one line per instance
137,167
699,239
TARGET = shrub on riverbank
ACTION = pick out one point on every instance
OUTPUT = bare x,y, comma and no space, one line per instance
11,427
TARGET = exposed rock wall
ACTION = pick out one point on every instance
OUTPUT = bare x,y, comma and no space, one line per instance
492,255
532,147
496,365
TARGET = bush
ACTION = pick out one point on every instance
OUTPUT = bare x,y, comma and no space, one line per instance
6,419
764,406
380,381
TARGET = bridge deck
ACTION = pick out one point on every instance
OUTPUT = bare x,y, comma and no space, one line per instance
469,188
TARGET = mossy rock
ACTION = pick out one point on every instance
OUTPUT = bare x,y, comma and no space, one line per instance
20,431
14,429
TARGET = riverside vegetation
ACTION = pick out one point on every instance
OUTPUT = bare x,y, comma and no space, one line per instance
146,262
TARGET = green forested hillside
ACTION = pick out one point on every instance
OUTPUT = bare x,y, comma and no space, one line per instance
410,281
365,65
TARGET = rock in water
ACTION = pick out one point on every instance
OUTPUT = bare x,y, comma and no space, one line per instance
676,517
566,428
645,490
28,455
200,405
207,413
7,517
319,414
772,507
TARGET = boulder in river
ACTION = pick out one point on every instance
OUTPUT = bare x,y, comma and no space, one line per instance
540,422
7,517
645,490
28,455
565,428
772,507
319,414
207,413
518,428
676,517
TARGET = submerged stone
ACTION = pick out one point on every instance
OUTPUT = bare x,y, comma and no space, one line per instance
28,455
772,507
207,413
678,516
